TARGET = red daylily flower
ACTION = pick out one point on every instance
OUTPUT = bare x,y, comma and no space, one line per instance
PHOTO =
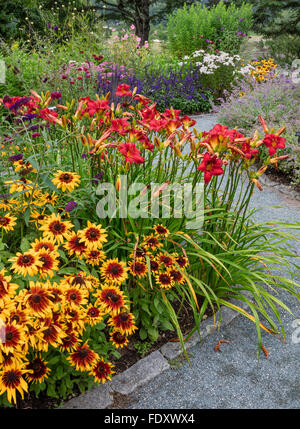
187,121
248,151
120,125
123,90
274,142
211,166
219,136
131,153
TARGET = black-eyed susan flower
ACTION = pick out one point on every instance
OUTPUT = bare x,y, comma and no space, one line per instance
164,280
94,257
161,230
55,229
93,236
69,342
49,198
37,370
19,316
75,318
154,266
114,271
20,185
7,203
177,276
111,299
7,222
51,336
10,359
118,339
138,268
94,281
55,292
102,371
93,315
74,246
37,299
14,337
38,217
83,358
124,322
11,381
152,242
80,279
165,260
42,244
139,253
26,263
50,263
66,180
181,261
7,289
76,296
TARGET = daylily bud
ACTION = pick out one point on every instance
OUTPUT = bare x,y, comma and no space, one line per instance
280,131
257,184
261,171
118,184
264,125
278,158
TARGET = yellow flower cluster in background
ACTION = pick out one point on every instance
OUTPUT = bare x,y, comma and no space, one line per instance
264,70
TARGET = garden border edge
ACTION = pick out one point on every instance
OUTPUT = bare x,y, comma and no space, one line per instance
149,367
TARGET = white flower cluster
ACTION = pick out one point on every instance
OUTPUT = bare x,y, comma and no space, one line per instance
210,62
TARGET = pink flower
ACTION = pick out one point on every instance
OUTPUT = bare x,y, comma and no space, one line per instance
132,27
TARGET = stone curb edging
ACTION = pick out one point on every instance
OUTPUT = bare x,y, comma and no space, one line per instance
287,190
146,369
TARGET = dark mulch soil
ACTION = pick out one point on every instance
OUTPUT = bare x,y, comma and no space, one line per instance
282,178
129,356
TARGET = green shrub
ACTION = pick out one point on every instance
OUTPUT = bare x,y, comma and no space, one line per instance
190,28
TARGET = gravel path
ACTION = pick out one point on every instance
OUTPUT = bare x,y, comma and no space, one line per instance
235,378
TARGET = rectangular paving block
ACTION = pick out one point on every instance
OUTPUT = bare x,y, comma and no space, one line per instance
139,373
98,397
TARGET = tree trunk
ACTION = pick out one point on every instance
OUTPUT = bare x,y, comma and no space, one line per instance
142,19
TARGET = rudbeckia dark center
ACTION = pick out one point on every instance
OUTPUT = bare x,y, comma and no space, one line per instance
37,366
139,267
124,317
66,177
57,226
164,278
12,377
115,269
119,337
16,318
73,296
36,298
9,336
78,280
112,296
93,233
26,259
83,353
4,221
